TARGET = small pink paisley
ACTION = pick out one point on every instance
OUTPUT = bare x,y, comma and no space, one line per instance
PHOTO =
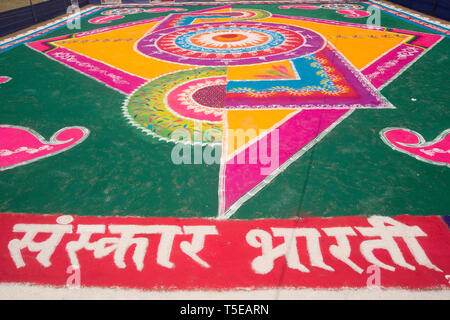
4,79
164,10
413,144
107,19
354,13
300,6
20,145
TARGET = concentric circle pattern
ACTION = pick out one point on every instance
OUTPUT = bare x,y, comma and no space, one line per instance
220,40
234,43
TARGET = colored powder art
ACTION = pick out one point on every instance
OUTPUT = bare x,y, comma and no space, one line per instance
195,126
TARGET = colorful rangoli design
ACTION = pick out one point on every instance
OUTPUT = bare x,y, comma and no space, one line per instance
222,52
326,85
262,87
341,6
122,11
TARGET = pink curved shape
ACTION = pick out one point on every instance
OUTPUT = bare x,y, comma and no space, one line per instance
354,13
104,19
164,10
20,145
413,144
4,79
300,6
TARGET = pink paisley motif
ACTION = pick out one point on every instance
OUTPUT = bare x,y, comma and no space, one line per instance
354,13
164,10
413,144
181,100
20,145
4,79
104,19
300,6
